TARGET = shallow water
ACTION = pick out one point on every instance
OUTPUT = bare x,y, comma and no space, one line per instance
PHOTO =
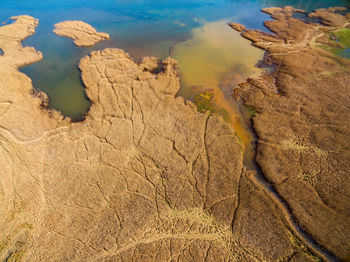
341,37
215,59
211,55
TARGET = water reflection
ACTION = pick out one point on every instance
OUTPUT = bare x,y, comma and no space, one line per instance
215,59
142,28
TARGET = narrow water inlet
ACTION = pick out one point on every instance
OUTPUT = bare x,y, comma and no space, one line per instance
215,60
57,74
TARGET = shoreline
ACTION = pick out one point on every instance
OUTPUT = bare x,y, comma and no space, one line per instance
147,167
271,42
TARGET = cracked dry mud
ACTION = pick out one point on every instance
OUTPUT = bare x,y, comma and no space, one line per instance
81,33
144,177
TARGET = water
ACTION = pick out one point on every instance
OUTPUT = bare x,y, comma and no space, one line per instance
343,37
211,56
215,59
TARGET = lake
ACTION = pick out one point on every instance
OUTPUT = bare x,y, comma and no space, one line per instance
212,57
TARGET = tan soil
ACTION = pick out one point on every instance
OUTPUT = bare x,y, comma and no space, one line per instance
82,33
302,122
144,177
328,17
337,9
287,10
237,27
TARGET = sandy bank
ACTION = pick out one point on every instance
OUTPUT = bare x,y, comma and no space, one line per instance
81,33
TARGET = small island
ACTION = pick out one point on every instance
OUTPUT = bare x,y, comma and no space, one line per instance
83,34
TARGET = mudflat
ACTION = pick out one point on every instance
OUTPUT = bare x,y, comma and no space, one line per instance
302,122
146,177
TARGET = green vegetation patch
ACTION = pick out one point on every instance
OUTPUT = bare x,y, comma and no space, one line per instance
342,38
251,111
205,102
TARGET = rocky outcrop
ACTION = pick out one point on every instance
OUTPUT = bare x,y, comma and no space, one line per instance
328,16
302,124
337,9
287,10
82,33
144,177
237,27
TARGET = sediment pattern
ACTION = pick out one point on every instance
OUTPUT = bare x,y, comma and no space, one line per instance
302,123
144,177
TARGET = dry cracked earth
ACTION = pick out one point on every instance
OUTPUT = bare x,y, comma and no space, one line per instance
145,177
82,33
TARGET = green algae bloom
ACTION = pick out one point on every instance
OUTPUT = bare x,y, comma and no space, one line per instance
205,102
342,38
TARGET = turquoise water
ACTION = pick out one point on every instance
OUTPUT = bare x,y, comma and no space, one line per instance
141,27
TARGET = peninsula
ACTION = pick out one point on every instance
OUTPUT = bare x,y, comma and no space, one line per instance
146,177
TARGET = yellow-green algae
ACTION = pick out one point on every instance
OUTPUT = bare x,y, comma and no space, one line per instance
205,102
342,38
213,61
